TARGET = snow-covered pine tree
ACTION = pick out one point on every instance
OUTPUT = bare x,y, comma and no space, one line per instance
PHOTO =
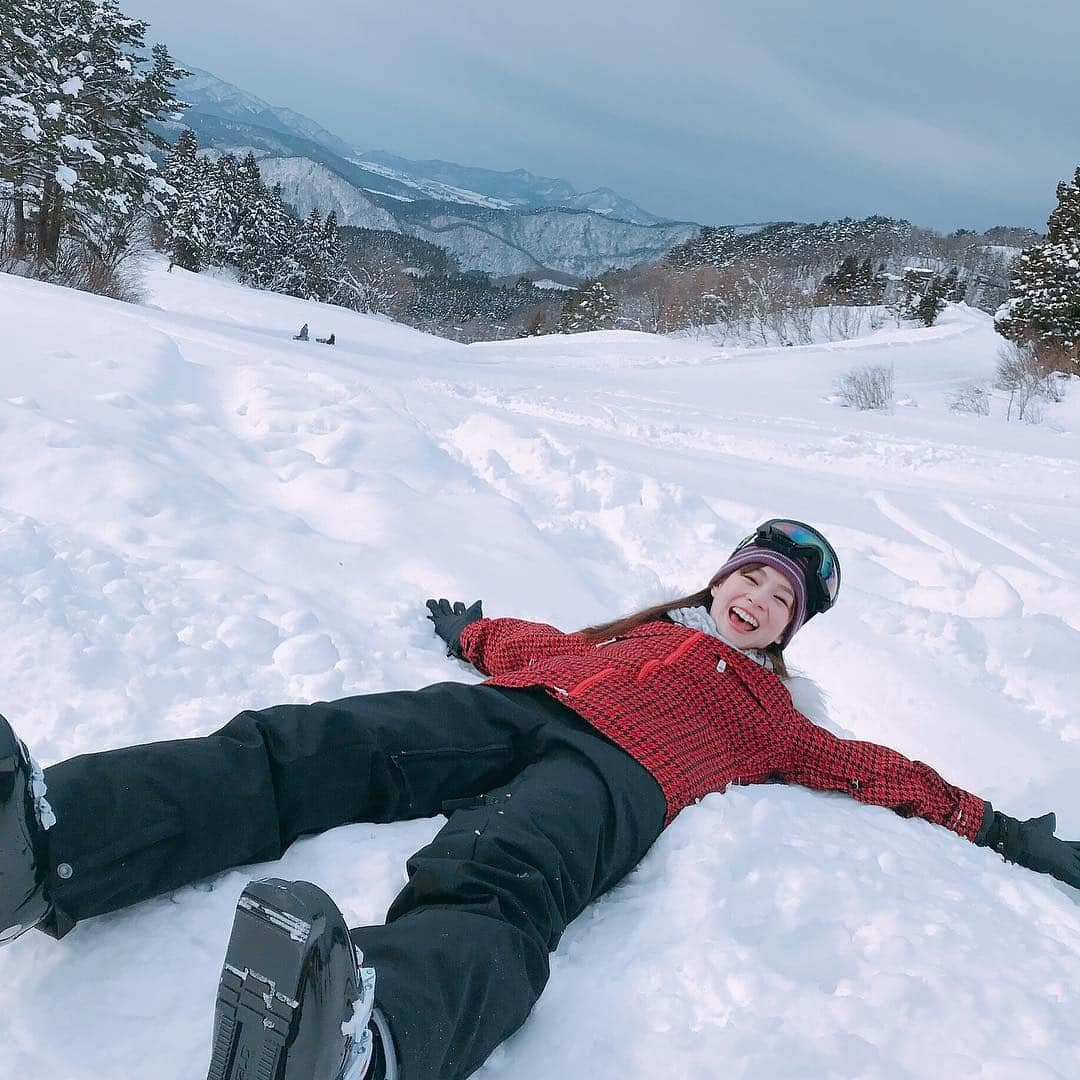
1044,305
275,265
224,212
932,302
185,214
922,294
99,95
952,291
591,307
871,285
852,283
332,259
837,287
309,241
27,151
251,225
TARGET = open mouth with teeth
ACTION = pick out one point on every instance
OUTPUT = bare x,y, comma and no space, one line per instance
742,620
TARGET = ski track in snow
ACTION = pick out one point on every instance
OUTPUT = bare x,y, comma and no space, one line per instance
200,515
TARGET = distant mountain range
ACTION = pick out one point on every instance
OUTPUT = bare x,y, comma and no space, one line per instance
503,223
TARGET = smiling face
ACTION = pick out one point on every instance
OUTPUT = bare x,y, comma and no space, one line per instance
752,606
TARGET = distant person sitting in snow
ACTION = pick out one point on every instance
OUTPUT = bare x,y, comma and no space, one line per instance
556,776
303,335
326,340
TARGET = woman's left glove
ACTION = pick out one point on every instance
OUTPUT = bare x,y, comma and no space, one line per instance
1032,843
451,620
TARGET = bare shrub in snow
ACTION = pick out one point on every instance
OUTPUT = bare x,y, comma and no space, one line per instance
867,387
1033,414
376,283
801,320
843,321
640,297
769,294
1022,372
971,397
113,265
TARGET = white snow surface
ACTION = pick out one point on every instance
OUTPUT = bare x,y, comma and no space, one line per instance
200,515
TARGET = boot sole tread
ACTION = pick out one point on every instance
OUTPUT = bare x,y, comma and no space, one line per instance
257,1005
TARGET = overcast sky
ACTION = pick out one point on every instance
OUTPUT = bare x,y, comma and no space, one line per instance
952,113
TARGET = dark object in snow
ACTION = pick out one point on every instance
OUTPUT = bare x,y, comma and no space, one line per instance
303,335
563,813
291,1000
24,818
1032,844
331,340
451,620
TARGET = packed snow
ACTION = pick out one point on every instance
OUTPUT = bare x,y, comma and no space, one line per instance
200,515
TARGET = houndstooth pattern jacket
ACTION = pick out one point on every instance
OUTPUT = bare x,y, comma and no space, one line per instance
700,715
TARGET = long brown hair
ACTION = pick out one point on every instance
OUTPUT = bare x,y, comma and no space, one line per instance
702,598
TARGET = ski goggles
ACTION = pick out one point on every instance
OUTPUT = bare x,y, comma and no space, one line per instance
801,542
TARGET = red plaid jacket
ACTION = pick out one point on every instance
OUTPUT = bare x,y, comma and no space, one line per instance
700,715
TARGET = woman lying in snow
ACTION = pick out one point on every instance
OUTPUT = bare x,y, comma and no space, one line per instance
556,776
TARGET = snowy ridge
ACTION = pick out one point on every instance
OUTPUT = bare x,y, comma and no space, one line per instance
433,189
571,241
200,515
209,94
307,185
518,188
212,97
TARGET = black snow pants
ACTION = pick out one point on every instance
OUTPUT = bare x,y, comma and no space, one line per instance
544,814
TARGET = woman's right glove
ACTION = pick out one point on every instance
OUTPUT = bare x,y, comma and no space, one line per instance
1032,843
451,620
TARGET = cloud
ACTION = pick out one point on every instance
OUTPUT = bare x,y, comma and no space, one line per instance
957,113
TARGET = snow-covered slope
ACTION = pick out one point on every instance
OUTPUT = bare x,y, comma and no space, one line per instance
432,189
307,185
208,94
199,515
573,242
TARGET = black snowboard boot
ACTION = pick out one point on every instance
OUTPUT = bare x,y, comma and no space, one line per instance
293,1003
25,816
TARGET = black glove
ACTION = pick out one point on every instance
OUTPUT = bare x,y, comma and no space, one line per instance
1032,843
450,621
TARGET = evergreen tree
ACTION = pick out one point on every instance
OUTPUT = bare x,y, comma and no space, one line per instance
328,241
932,302
276,265
922,294
185,201
310,248
952,288
590,307
93,100
250,222
27,151
1044,306
223,212
332,258
871,284
852,283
